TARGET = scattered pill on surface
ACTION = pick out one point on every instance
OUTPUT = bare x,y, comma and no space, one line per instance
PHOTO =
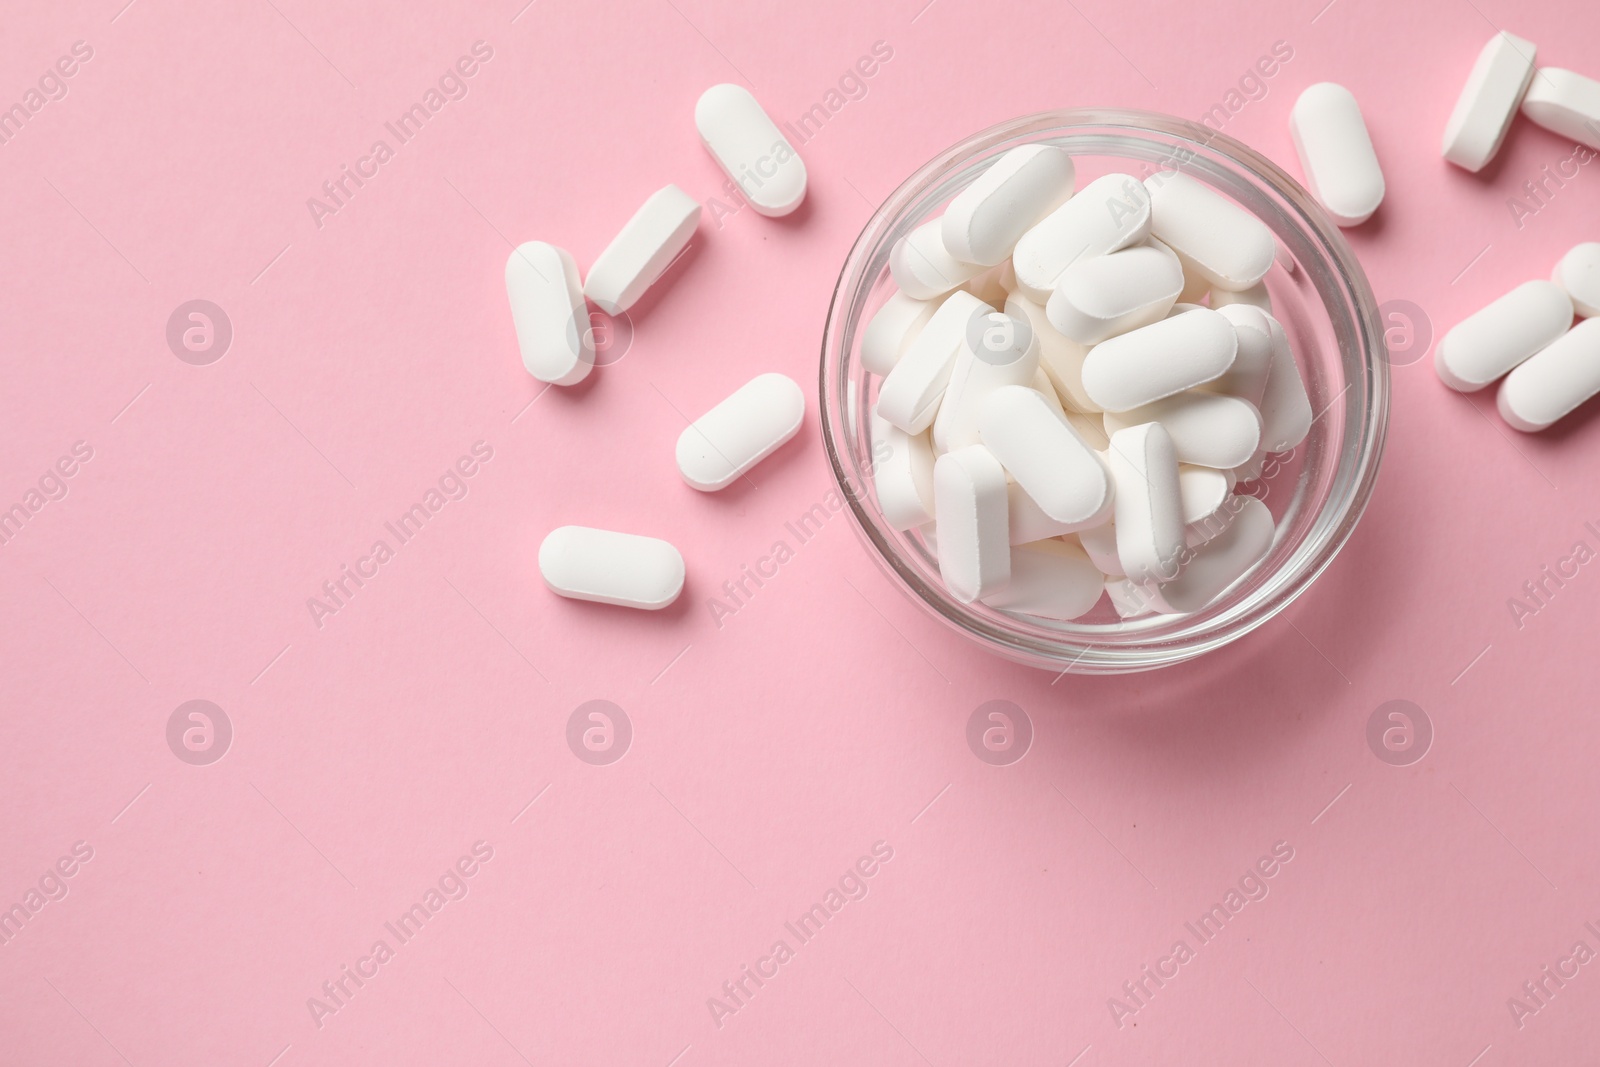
740,432
549,313
750,149
1565,103
642,251
1336,153
629,570
1489,101
1578,275
1554,381
1491,341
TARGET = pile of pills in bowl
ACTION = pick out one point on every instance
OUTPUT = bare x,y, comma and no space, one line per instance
1059,414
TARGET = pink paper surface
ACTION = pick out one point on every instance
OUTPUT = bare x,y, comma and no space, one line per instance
770,750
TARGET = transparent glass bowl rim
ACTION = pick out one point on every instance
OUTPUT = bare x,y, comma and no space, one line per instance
1358,334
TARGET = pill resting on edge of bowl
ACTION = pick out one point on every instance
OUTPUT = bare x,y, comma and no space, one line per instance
631,571
740,432
750,149
1336,153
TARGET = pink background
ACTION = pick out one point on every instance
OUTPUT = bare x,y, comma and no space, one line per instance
827,714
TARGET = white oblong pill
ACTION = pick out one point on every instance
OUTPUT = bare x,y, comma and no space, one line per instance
998,350
1336,153
1285,408
1100,542
1554,381
1050,580
923,268
1578,274
1149,503
1208,429
1256,296
1491,341
902,474
1109,213
750,149
890,330
740,432
1565,103
1130,600
1212,235
1477,126
1060,357
629,570
1161,359
1042,451
1216,565
638,255
910,394
1247,377
549,313
1096,299
1026,522
985,220
1203,490
969,493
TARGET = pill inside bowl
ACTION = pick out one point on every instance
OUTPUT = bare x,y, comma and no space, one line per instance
1088,424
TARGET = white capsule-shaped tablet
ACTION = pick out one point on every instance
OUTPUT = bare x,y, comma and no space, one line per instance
1490,342
984,220
1578,274
910,394
740,432
1109,213
1565,103
582,563
1247,377
890,330
1026,522
549,313
1100,542
1209,429
1060,357
1046,456
647,245
1336,153
923,268
1217,564
1554,381
902,474
1098,298
997,351
1149,502
750,149
1212,235
1049,580
1488,101
1130,600
1285,407
1156,361
1203,490
969,492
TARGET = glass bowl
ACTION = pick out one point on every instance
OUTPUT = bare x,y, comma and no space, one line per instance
1317,492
